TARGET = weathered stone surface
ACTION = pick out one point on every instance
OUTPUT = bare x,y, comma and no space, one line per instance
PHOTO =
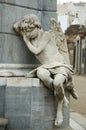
18,103
12,45
45,20
35,4
67,128
16,70
2,95
43,108
28,104
2,41
1,17
50,5
14,14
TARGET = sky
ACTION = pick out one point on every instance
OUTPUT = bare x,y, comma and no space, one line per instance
65,1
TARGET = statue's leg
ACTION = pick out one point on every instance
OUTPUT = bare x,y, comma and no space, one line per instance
71,89
59,93
44,75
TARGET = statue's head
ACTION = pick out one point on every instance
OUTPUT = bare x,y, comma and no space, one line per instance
27,24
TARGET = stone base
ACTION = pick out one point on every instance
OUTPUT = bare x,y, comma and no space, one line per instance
66,128
27,104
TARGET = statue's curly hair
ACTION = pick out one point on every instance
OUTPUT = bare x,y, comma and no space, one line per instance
28,22
33,20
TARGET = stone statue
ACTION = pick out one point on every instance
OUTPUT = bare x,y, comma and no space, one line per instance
50,49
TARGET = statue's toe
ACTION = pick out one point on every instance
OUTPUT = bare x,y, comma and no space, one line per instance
59,119
58,122
74,94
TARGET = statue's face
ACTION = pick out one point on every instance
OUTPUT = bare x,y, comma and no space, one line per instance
33,34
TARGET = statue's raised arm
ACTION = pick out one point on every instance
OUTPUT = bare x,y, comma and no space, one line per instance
29,28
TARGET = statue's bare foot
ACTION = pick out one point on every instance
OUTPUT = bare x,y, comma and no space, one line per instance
59,119
73,93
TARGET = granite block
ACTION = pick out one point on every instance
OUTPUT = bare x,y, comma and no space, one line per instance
66,128
38,124
35,115
1,17
20,82
11,46
45,20
15,106
47,92
19,122
42,108
48,124
2,41
18,101
2,95
1,108
17,91
14,14
50,5
3,82
26,3
36,83
34,4
30,106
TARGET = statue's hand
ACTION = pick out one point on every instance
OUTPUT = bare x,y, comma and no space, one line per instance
24,37
30,75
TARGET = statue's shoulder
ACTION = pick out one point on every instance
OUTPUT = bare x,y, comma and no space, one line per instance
47,34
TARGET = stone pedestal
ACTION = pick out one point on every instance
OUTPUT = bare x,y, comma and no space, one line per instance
67,128
29,105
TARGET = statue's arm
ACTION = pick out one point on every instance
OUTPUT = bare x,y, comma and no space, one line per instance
30,46
42,44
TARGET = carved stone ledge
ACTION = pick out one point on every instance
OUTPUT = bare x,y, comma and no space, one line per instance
67,128
9,70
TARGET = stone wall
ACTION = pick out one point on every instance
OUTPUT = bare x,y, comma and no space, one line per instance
12,48
27,104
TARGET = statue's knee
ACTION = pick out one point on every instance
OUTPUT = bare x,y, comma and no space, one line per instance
57,83
40,73
43,74
59,90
